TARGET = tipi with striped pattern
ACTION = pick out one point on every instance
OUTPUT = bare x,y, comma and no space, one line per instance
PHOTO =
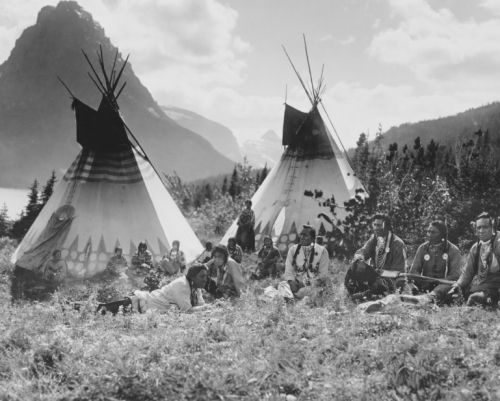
110,196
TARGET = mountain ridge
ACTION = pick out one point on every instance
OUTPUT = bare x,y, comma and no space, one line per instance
37,127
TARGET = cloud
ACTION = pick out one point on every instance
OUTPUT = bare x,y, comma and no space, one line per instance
326,38
162,36
354,108
347,41
491,5
428,41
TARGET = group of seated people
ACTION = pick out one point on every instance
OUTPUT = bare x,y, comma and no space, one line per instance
436,272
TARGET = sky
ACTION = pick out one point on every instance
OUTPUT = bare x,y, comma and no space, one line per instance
386,62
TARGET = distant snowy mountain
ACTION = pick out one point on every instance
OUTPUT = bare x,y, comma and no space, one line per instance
219,136
265,150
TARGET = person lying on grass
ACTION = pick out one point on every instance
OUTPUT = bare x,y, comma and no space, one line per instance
229,281
306,263
483,264
184,292
436,258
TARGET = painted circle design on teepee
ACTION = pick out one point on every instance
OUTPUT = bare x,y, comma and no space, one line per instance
284,238
79,270
91,267
292,237
103,257
64,253
258,237
81,258
283,247
74,255
71,265
93,257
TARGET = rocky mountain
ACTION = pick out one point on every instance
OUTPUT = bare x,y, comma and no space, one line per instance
217,134
265,150
447,130
37,126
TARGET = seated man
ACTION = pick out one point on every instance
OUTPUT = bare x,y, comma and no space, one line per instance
268,258
229,280
142,260
436,258
206,255
235,251
385,250
306,262
483,264
184,292
174,261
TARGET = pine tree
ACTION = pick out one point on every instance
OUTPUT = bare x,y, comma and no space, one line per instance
48,189
33,206
224,186
209,195
4,221
28,216
263,174
234,185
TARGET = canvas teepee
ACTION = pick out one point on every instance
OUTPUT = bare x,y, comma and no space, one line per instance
312,161
110,196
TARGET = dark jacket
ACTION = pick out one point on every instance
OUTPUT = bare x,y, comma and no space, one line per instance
472,268
396,257
436,265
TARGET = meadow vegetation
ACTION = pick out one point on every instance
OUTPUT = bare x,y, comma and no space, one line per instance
249,349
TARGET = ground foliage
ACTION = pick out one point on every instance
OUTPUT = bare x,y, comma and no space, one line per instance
249,349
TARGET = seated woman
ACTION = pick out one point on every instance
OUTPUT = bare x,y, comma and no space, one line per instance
174,261
229,280
268,258
235,251
184,292
206,255
55,270
117,264
142,260
436,258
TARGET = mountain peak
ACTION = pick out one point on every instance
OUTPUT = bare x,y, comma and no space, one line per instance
63,9
37,126
271,136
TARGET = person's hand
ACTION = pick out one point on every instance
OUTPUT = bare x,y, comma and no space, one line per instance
454,288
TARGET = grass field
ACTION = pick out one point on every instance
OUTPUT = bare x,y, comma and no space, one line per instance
247,350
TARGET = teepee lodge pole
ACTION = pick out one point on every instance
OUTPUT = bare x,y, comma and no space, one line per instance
298,76
315,94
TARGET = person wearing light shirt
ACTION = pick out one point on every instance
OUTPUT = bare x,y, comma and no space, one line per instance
306,262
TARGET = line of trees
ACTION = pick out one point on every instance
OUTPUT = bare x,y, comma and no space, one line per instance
37,198
417,184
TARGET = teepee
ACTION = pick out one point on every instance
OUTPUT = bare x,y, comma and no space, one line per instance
312,163
110,196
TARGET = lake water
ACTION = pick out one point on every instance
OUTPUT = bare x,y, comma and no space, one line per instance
15,199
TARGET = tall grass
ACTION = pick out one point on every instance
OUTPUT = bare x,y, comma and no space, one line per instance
249,349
